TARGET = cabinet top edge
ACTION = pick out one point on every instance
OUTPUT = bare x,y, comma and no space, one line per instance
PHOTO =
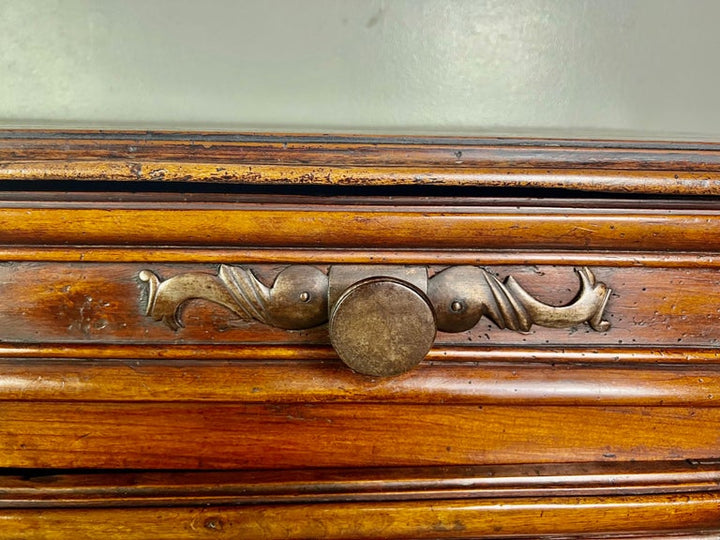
240,137
352,161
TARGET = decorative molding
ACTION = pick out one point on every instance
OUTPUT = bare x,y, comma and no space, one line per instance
671,168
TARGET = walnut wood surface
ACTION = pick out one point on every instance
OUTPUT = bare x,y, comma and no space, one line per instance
500,518
87,381
291,159
305,226
685,259
212,435
104,303
388,503
43,489
256,381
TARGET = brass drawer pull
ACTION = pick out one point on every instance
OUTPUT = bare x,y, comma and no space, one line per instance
463,294
296,300
382,326
383,319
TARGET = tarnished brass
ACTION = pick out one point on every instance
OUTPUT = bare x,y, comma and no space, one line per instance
463,294
382,326
296,300
383,319
342,276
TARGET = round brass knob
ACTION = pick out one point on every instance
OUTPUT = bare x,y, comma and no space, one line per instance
382,326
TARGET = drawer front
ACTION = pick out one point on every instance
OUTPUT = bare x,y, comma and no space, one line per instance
95,380
83,304
563,380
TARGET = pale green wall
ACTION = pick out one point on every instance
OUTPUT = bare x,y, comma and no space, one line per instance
644,68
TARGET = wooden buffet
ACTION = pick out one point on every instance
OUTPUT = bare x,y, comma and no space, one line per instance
211,335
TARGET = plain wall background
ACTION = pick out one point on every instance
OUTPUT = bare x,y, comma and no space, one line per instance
602,68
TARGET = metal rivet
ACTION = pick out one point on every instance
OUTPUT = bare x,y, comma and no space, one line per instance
305,296
456,306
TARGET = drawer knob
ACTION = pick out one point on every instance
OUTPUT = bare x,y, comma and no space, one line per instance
382,326
382,318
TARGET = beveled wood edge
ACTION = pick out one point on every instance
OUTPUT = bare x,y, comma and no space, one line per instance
562,517
591,354
332,227
42,488
698,534
603,166
274,381
94,254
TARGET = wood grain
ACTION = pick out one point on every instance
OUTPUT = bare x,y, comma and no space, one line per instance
577,498
345,227
552,433
680,357
358,149
45,489
90,254
225,436
61,304
501,518
316,160
438,383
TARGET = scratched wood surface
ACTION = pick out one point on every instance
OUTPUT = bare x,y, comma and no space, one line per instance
83,303
607,166
608,517
88,381
224,435
608,499
50,489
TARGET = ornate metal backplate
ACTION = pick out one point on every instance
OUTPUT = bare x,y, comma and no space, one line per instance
298,298
383,319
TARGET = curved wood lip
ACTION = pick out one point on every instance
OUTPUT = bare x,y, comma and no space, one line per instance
639,167
508,383
48,489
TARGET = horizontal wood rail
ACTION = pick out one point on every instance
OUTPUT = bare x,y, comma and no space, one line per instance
266,381
603,166
639,500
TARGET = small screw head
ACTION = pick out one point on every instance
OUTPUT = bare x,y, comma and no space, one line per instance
457,306
305,296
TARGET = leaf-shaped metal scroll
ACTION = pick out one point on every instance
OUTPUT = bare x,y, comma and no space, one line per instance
463,294
296,300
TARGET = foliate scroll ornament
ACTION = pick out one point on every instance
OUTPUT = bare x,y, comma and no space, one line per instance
298,298
463,294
